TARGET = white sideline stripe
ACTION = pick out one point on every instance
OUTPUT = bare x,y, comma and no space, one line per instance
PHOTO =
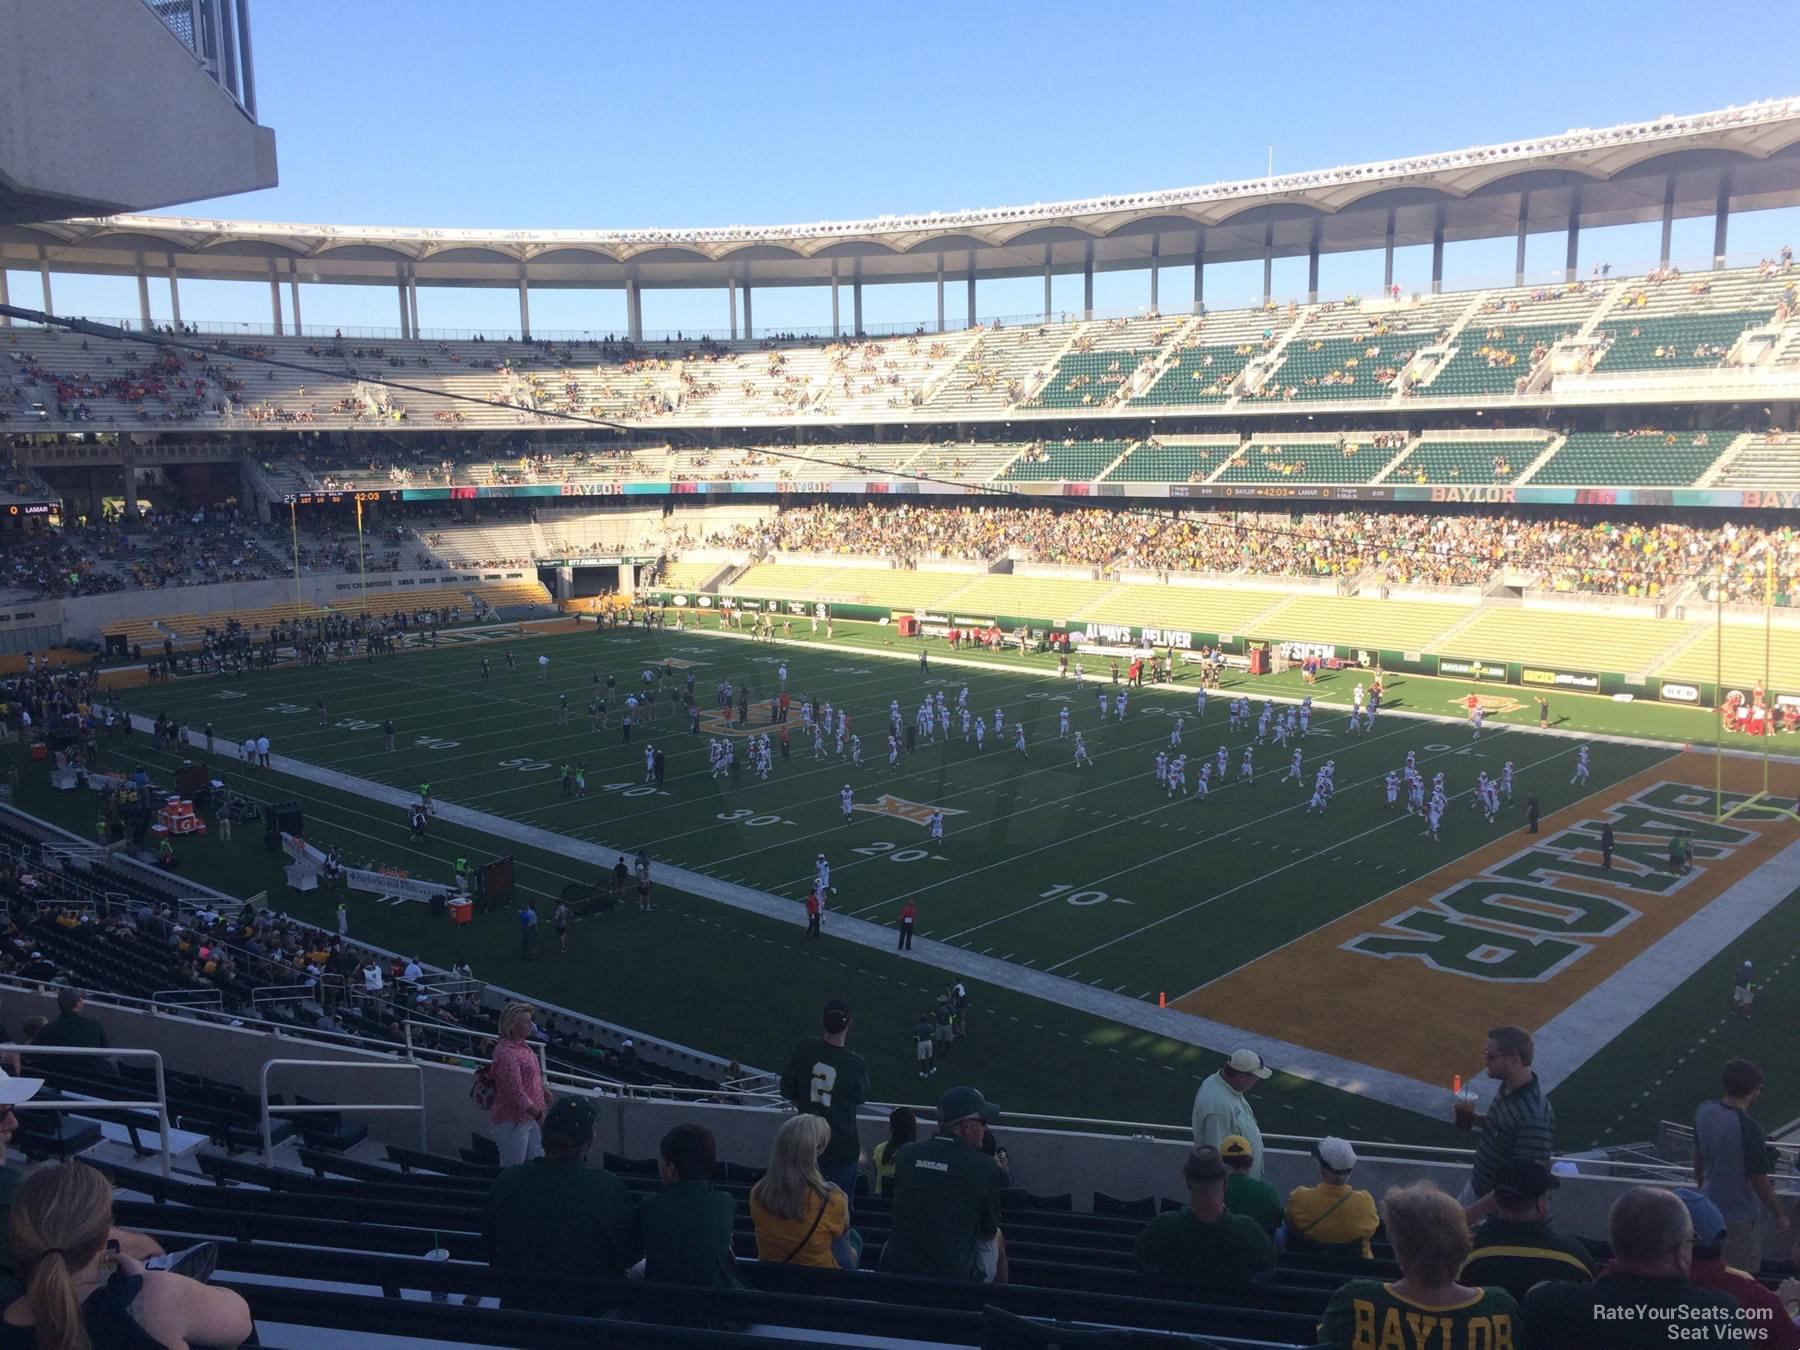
1589,1024
1425,1098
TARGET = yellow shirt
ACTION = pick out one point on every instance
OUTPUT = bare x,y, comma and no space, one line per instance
1355,1220
775,1238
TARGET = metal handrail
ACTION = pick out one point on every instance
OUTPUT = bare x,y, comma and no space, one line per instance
89,1052
281,993
262,1094
189,998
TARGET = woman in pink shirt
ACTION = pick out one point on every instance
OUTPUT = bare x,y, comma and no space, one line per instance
519,1104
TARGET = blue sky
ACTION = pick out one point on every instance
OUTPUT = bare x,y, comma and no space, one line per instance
550,114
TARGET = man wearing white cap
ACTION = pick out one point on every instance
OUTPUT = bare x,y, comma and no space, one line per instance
1221,1109
1332,1214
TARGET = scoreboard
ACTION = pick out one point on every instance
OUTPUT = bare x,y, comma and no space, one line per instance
340,498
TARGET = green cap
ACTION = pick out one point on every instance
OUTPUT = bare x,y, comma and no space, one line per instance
959,1103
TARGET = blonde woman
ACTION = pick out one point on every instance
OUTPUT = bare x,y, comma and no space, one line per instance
801,1219
519,1102
80,1293
1431,1242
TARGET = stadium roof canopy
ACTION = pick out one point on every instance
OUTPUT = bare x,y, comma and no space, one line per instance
1709,164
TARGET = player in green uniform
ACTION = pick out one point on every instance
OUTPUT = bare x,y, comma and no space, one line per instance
823,1078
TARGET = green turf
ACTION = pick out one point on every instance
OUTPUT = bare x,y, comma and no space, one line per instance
1032,825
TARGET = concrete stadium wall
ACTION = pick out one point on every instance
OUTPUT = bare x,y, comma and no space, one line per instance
1045,1162
91,615
79,80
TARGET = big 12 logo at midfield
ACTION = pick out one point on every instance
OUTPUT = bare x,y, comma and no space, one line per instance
919,813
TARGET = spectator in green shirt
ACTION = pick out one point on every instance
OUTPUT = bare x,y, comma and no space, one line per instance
1203,1243
555,1215
946,1216
1516,1247
687,1225
1250,1196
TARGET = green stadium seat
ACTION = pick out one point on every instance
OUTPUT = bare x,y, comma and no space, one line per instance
1620,458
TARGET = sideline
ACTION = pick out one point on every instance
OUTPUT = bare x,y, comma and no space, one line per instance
1425,1098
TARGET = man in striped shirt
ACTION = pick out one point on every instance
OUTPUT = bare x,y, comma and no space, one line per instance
1519,1124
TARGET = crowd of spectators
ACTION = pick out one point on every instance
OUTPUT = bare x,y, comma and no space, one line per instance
1599,556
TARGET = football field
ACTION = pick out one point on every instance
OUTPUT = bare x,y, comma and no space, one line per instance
1320,934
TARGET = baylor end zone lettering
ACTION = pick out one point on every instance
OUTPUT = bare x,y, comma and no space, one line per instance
1529,915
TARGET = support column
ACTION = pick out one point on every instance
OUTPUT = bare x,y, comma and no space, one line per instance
1199,278
1437,254
128,472
174,295
731,299
1668,230
5,298
634,311
940,290
971,290
143,281
294,297
1087,283
274,301
1519,251
749,326
836,328
856,304
1312,270
1268,262
96,495
524,305
412,301
405,314
1721,217
1047,310
1572,256
1387,258
44,277
1155,267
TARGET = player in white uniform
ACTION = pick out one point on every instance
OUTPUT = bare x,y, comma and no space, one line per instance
1175,734
1415,796
1078,675
1081,754
1506,773
1262,723
999,721
1305,719
1178,776
822,873
818,740
894,711
1412,761
1119,705
1581,766
1100,700
827,719
1293,773
840,741
843,722
943,718
1223,761
649,763
1435,819
1356,699
1479,796
1392,784
846,798
980,734
1019,739
1490,800
965,725
1162,768
1062,723
1479,716
1246,767
1200,703
937,825
1281,729
1318,801
893,752
856,751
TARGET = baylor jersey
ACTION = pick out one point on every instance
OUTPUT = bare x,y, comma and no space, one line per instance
1368,1315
